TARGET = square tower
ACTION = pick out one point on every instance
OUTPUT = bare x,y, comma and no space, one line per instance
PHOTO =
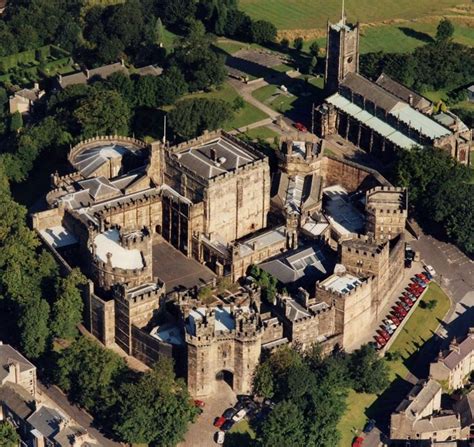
342,53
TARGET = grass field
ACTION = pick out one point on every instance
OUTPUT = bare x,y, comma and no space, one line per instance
308,14
418,329
245,116
263,133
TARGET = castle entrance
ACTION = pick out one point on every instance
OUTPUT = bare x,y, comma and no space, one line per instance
226,376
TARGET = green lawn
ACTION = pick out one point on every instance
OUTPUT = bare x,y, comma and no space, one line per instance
309,14
418,329
273,97
240,435
401,38
263,133
247,115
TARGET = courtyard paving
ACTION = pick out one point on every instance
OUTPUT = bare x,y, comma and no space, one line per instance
176,270
202,432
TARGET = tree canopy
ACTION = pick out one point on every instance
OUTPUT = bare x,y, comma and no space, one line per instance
8,435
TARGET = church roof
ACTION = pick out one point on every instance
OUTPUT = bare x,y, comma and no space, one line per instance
394,106
402,92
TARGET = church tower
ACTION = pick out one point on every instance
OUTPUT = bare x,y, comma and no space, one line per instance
342,52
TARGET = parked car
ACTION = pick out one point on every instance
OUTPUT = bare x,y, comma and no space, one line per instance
430,270
383,333
358,442
387,328
369,426
407,301
400,310
390,323
227,425
380,340
420,282
394,320
239,415
397,314
229,413
199,403
423,277
220,437
301,127
404,305
410,296
219,422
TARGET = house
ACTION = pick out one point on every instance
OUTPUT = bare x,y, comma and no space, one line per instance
419,416
452,367
16,369
150,70
85,76
23,100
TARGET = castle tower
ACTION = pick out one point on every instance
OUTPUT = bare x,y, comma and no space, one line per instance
342,53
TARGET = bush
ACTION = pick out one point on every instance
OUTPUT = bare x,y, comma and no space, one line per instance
298,43
263,32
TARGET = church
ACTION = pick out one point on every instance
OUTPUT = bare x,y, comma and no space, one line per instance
384,116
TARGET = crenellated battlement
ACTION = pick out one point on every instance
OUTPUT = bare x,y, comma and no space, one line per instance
365,284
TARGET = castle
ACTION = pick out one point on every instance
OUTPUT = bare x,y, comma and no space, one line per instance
166,235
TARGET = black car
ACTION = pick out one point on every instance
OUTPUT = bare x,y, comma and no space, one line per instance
240,405
369,426
229,413
227,425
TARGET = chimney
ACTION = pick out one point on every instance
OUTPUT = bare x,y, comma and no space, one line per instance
213,155
410,99
309,149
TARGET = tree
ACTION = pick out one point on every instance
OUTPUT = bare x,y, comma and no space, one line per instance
285,44
298,44
8,435
369,372
314,49
284,426
159,32
103,113
16,122
68,307
263,381
445,31
156,409
263,32
312,65
192,117
33,325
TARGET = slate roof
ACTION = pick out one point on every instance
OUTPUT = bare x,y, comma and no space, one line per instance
47,421
457,355
150,70
215,157
465,408
436,423
17,399
99,188
7,354
91,159
402,92
419,397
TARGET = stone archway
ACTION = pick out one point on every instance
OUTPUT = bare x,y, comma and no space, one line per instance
226,376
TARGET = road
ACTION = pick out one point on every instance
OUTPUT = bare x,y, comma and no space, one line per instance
80,416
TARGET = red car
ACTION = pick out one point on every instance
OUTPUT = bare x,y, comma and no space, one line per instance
415,290
219,422
301,127
395,320
358,442
379,341
400,310
199,403
423,277
410,296
383,333
407,301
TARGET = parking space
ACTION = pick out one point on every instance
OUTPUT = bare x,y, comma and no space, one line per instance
201,433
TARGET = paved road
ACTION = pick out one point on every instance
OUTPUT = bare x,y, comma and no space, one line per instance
80,416
201,433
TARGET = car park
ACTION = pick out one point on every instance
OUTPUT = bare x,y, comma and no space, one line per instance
219,422
369,426
227,425
220,437
239,416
